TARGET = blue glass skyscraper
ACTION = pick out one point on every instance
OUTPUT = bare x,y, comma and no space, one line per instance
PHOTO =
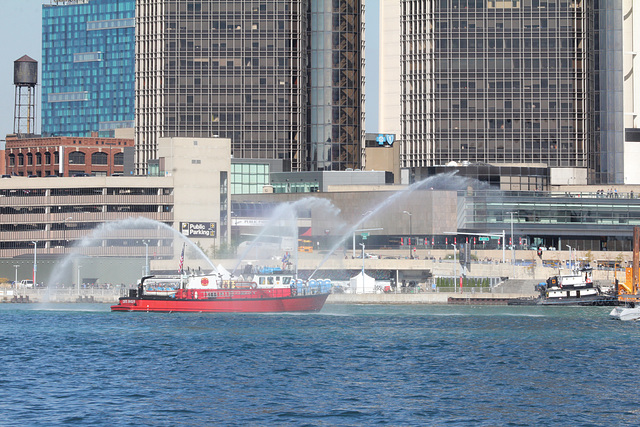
88,60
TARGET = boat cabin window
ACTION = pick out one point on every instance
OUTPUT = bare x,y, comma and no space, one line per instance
286,280
162,285
270,280
261,281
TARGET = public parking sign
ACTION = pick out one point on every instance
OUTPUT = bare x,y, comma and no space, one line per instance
198,229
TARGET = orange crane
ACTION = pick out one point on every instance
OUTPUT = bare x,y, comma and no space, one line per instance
628,291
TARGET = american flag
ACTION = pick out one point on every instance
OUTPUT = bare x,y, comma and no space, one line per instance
181,260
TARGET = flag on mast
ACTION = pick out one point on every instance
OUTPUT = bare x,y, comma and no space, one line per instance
180,270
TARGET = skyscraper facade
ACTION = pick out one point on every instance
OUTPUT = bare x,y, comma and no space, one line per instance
336,116
229,68
88,58
494,81
606,126
529,82
278,80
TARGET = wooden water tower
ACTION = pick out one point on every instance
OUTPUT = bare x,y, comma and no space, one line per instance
25,79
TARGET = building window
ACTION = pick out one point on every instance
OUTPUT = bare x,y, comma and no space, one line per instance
47,158
12,160
38,159
118,159
99,158
29,159
20,159
76,158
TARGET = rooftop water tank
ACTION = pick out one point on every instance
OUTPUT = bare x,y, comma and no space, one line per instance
25,71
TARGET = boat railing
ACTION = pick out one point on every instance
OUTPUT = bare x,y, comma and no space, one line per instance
313,287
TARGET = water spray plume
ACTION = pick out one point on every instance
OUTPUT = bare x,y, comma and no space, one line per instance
283,224
447,181
105,230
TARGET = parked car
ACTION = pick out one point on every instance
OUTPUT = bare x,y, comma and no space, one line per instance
26,284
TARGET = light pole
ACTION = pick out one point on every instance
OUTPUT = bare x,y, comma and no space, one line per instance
410,234
353,242
146,257
513,252
454,266
570,257
64,232
362,244
35,264
16,266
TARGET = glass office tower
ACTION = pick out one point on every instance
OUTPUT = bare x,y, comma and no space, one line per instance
227,68
336,118
607,94
494,81
88,58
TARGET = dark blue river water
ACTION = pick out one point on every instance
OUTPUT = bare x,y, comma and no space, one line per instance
348,365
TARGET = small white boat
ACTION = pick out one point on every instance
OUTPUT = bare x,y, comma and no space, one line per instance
625,313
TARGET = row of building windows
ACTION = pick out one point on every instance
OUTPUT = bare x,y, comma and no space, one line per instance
82,191
75,157
130,207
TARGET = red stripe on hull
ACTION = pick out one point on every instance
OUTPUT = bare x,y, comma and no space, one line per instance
311,303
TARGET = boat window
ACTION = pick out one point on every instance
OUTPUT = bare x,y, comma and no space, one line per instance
262,280
286,280
270,280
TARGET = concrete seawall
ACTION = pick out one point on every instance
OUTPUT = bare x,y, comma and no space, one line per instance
104,296
424,298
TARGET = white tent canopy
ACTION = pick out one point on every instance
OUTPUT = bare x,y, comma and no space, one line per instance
362,283
224,272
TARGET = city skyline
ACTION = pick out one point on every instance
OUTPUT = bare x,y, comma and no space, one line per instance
28,14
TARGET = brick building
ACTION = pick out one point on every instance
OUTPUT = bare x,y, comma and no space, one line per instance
64,155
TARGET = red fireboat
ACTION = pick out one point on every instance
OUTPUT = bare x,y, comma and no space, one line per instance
264,292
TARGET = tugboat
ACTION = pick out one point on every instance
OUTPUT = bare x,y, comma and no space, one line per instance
576,288
270,290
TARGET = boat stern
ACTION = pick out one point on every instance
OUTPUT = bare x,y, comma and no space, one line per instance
125,304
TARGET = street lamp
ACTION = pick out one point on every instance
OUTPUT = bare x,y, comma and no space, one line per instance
64,232
35,265
454,266
513,252
410,234
16,266
353,242
146,257
362,244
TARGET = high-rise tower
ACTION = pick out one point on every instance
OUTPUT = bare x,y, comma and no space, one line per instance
227,68
527,82
336,118
491,81
282,79
88,51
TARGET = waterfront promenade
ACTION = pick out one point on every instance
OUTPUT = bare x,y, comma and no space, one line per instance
518,280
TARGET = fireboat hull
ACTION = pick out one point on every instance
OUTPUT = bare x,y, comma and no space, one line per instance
303,303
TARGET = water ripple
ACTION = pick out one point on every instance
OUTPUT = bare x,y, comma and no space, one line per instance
349,365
